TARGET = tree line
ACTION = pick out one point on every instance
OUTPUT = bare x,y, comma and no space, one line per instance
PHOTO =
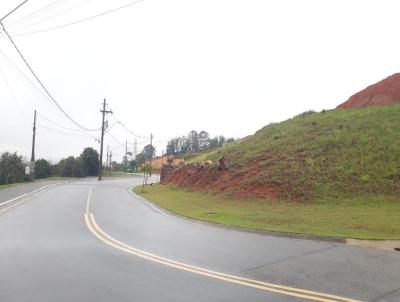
195,142
12,166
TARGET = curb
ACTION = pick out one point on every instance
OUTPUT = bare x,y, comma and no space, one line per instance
239,229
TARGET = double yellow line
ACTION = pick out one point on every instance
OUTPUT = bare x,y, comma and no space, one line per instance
280,289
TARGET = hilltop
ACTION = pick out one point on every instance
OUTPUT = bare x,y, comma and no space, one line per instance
385,92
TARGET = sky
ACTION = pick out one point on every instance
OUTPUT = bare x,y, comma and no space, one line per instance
167,67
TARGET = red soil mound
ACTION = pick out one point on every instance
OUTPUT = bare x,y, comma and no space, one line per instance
199,177
385,92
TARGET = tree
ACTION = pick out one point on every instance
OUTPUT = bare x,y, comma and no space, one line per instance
79,169
42,168
194,141
149,151
90,162
140,158
204,141
12,168
68,166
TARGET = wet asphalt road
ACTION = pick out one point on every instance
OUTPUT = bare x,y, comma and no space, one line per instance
47,253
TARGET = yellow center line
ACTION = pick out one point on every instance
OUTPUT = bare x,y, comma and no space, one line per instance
290,291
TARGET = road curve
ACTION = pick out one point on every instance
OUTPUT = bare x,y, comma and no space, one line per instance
96,241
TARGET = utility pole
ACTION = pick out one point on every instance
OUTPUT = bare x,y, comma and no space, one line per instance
162,165
135,147
126,154
110,162
107,164
104,112
32,163
151,151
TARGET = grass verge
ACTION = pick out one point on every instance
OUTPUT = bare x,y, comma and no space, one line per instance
370,218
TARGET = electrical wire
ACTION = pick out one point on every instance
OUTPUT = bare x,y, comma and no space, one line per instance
13,10
81,134
13,95
41,83
80,20
53,16
59,125
37,12
116,140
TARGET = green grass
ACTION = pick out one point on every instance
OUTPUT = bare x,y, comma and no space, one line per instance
335,154
7,186
371,218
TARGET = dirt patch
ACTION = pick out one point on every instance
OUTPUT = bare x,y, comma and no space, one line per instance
387,245
208,178
385,92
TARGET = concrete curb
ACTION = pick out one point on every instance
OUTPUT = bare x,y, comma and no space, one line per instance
239,229
386,245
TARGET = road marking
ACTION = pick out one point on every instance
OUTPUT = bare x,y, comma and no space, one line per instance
281,289
88,199
27,194
12,203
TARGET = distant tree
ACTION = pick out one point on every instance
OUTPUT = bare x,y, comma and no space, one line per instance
68,166
12,168
90,162
221,140
132,165
194,141
79,168
140,158
204,141
149,151
42,168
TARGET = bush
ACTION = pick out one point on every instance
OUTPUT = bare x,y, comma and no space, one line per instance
42,169
12,168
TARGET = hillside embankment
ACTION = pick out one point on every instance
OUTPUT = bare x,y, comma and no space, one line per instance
338,154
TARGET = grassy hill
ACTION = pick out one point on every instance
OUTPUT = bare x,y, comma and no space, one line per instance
338,154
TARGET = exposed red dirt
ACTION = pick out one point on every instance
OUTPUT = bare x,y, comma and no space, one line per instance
209,178
385,92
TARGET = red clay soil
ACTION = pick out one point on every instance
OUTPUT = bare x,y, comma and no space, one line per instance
385,92
208,178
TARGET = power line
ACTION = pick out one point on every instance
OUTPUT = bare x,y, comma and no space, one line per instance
116,140
37,12
26,78
20,72
9,13
41,83
54,15
81,134
81,20
60,125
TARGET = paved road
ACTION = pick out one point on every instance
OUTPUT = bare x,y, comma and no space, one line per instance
55,246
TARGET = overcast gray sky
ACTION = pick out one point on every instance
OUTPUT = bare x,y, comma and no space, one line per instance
166,67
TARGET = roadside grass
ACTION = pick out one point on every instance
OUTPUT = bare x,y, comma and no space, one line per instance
335,154
373,217
36,181
7,186
212,155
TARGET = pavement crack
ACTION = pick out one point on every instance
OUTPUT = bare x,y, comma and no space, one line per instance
285,259
385,295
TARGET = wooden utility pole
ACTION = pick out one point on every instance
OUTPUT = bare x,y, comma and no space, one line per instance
110,162
32,163
126,154
107,163
104,112
151,151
